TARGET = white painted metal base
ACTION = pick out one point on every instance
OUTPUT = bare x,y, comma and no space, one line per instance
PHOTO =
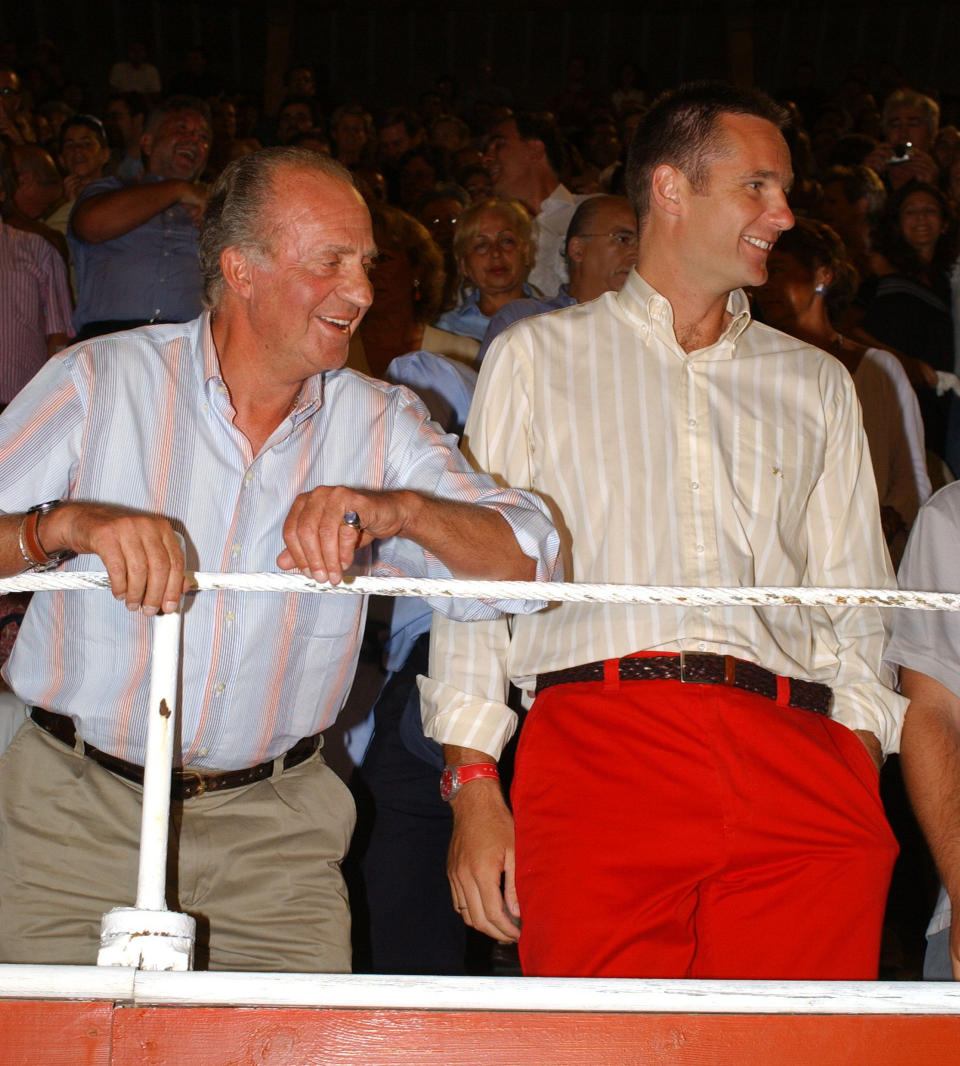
147,940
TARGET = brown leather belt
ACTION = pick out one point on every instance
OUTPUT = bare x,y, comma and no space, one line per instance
184,784
700,668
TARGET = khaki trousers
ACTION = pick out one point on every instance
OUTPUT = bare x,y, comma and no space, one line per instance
258,867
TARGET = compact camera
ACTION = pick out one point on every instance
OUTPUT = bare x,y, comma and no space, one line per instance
901,153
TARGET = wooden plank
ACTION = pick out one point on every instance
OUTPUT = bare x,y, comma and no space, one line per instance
201,1036
34,1033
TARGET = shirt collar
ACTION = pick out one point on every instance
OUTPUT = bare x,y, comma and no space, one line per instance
560,195
641,303
311,394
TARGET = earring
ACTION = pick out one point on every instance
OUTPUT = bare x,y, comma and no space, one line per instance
416,290
821,289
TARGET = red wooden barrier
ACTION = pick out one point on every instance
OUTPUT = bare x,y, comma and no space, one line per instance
49,1033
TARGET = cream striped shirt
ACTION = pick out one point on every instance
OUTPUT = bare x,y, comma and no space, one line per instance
740,464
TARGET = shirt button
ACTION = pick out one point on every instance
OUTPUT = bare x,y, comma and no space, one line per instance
203,751
219,687
236,549
701,646
695,485
230,617
706,610
691,422
248,476
700,549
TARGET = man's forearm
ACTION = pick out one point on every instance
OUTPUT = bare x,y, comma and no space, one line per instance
12,561
141,553
930,757
113,214
456,756
470,540
872,744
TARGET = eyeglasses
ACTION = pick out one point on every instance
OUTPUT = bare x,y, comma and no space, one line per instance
623,237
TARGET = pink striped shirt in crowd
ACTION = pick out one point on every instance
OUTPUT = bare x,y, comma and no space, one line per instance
34,303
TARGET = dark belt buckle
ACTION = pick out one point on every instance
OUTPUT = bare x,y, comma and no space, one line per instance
187,776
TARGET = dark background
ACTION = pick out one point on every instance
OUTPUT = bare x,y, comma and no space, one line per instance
389,52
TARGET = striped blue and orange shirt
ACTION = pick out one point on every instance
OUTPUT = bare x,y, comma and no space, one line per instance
143,419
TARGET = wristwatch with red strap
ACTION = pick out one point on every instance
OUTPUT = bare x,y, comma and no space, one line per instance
454,778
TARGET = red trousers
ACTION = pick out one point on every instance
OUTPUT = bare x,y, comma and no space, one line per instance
680,830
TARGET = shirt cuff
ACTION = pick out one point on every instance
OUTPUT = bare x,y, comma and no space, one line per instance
872,707
454,717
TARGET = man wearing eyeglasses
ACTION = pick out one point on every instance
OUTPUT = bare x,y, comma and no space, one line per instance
601,250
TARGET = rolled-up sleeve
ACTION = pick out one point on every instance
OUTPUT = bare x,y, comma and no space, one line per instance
848,550
463,701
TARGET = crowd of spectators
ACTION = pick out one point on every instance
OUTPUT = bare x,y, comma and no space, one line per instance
474,196
873,161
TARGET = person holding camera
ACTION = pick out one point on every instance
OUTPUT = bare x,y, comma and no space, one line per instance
910,123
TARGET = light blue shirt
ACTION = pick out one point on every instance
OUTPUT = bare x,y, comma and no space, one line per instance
446,387
466,319
151,274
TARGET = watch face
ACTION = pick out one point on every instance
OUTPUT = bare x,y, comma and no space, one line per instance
447,783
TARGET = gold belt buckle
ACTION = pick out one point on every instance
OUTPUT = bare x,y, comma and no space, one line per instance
201,780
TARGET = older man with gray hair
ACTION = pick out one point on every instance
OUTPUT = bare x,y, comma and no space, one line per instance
234,442
910,124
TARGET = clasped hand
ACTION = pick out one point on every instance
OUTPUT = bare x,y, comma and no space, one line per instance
145,562
320,542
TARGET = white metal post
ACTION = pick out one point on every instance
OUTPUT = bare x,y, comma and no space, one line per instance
155,820
148,935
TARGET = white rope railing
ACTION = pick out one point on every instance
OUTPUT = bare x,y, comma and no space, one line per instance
550,591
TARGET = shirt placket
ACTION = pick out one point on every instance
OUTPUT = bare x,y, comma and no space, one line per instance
228,639
167,238
701,559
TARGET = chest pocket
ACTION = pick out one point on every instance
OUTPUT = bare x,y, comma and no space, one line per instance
773,472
